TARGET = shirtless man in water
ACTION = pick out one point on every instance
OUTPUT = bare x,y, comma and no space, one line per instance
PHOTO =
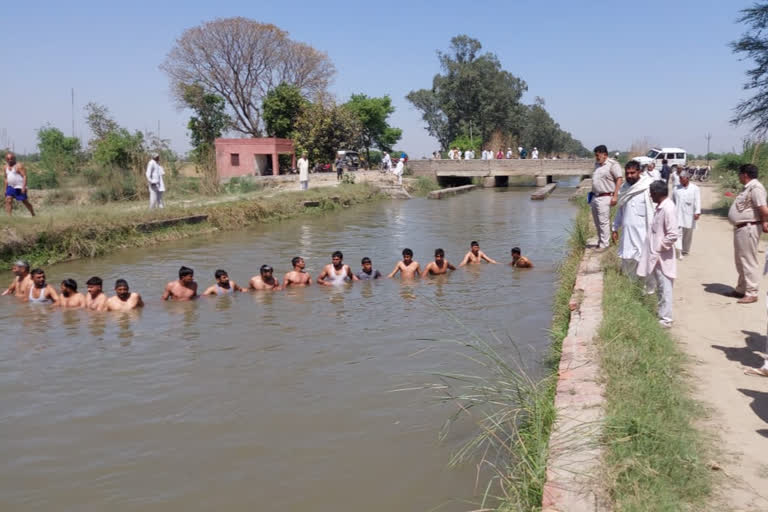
298,276
408,268
96,299
20,285
124,299
518,260
475,255
70,297
265,280
41,292
183,289
336,272
439,266
224,285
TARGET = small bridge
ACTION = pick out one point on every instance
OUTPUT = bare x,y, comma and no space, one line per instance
497,172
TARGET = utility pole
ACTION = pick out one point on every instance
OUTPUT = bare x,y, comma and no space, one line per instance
73,112
708,136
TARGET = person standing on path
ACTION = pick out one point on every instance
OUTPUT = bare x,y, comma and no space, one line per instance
687,198
634,213
535,154
747,214
658,258
399,170
665,170
15,184
339,167
303,165
155,173
606,181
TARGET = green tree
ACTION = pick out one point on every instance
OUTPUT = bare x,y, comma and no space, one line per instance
208,121
58,153
473,92
373,114
323,128
754,45
281,108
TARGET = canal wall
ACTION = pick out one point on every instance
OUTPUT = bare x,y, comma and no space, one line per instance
574,457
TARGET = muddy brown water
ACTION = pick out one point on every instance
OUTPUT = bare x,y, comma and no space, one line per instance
299,400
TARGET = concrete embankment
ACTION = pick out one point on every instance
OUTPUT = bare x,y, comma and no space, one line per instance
574,449
543,192
447,192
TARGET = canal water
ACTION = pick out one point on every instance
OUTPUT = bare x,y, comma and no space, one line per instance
310,399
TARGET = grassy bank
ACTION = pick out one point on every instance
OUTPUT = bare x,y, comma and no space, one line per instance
514,413
655,459
81,232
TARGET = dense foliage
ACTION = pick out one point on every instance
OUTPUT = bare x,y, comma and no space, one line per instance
281,108
372,114
58,153
323,128
754,45
474,95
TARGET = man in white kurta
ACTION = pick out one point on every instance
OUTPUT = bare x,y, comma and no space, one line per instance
154,175
657,260
303,165
399,169
687,198
634,212
652,172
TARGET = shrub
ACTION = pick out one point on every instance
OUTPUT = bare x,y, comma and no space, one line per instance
42,178
347,178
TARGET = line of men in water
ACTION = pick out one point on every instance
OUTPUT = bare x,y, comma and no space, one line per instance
31,286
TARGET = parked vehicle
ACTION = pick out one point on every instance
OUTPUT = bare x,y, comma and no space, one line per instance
673,156
350,159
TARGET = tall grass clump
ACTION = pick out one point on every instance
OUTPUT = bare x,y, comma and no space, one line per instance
514,412
655,459
422,186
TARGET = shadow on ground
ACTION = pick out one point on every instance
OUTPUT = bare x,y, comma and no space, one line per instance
718,288
759,406
747,356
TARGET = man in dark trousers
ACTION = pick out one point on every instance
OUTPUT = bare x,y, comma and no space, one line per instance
665,171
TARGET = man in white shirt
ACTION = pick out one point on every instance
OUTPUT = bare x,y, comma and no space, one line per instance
509,154
469,154
399,169
303,165
652,173
687,198
535,154
155,173
386,162
634,212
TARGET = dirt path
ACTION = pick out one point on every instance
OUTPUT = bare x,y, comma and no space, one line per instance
722,337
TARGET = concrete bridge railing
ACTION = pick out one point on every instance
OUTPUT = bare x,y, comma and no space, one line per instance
493,168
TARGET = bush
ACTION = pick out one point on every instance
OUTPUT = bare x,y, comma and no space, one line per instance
42,178
58,153
347,178
242,185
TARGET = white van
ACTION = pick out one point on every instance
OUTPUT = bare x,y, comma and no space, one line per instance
673,156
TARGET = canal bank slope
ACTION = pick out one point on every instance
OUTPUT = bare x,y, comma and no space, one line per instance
90,231
722,338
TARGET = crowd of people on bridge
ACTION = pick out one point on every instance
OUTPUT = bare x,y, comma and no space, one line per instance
456,153
32,287
656,215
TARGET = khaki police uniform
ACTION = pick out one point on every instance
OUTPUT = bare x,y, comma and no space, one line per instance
603,186
745,217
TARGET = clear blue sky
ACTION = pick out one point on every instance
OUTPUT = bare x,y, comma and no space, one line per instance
611,72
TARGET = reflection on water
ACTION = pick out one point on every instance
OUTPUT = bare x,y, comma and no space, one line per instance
271,401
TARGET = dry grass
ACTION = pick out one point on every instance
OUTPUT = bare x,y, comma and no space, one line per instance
80,232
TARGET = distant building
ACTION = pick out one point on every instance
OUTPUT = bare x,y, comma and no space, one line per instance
250,157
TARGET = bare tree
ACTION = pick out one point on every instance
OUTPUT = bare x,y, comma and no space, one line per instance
241,60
